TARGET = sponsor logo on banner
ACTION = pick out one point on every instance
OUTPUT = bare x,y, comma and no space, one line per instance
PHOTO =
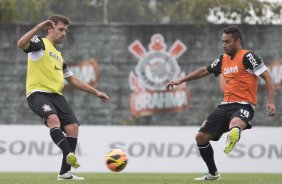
27,147
87,71
179,149
155,68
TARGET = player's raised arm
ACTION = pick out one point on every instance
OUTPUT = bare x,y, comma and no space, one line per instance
196,74
23,42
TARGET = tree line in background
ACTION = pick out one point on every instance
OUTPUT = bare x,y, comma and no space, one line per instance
148,11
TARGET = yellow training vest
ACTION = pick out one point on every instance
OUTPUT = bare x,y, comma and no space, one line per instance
45,74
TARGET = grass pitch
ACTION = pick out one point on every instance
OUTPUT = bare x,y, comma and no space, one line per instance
126,178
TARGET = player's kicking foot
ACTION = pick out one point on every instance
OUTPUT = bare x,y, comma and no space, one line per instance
72,160
232,139
69,176
208,176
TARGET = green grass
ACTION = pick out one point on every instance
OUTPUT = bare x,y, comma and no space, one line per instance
124,178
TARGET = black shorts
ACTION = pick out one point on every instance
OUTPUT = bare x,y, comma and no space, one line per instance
45,104
218,121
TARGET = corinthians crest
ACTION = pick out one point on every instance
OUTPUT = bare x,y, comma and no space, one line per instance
155,68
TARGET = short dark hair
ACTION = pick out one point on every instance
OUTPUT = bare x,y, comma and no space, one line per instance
234,31
60,18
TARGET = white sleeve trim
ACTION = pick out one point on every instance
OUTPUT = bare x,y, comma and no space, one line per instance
36,55
68,74
260,71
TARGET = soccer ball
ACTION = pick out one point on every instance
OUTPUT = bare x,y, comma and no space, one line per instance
116,160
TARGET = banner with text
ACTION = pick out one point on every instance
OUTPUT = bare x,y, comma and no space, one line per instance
28,148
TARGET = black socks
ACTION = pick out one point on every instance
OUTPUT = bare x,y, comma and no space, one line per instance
60,140
72,141
206,152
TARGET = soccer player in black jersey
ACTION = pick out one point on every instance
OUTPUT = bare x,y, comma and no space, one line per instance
46,72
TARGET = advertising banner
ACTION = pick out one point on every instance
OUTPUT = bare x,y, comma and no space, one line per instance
28,148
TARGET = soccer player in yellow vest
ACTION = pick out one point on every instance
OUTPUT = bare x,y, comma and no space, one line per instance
240,70
46,71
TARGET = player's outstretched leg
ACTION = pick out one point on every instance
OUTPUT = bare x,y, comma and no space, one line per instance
232,139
